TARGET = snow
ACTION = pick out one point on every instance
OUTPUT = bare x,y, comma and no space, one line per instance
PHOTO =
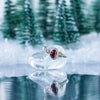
13,53
85,59
88,51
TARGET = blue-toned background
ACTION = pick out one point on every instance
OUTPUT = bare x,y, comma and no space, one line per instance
28,25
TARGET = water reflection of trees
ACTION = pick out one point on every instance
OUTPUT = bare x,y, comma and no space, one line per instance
80,87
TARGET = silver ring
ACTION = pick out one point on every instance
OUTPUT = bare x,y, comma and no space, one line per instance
54,53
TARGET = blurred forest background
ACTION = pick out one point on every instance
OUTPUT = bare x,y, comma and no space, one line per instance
63,21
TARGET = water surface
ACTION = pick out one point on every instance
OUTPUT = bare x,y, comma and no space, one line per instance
80,87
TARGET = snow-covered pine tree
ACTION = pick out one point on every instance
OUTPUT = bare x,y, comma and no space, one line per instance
50,18
38,37
29,32
46,17
9,24
19,12
42,15
56,3
72,31
96,10
65,27
27,24
60,23
79,16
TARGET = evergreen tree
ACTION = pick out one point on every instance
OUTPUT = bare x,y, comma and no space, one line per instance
65,28
96,9
38,38
60,23
46,17
9,25
90,19
79,16
29,31
72,31
27,24
19,12
56,3
51,18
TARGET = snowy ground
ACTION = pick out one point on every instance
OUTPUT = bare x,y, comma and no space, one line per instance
88,50
83,60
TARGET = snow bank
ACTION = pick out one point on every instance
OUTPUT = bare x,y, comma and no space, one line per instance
13,53
88,51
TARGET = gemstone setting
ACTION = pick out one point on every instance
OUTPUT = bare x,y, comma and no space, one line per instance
53,53
54,88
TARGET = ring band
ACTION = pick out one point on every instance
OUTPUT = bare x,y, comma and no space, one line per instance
54,53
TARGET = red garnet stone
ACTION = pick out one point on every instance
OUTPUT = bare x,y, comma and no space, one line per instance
54,88
53,53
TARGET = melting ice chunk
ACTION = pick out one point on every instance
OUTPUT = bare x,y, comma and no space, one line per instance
41,60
